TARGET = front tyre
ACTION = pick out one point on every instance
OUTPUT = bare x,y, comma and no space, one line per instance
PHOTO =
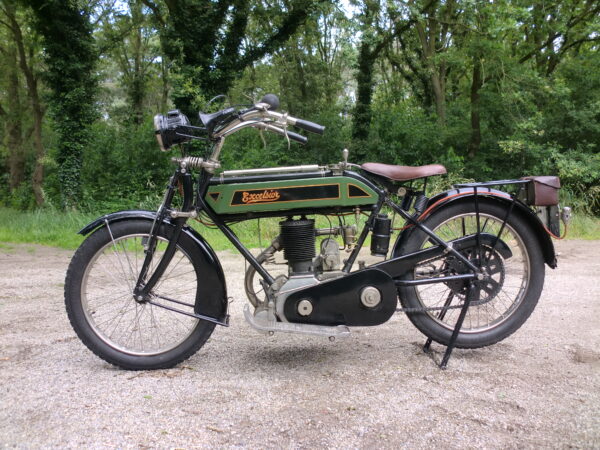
106,317
506,299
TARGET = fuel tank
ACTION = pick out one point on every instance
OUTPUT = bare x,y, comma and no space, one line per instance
241,195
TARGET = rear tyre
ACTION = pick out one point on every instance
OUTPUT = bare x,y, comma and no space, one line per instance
506,300
106,317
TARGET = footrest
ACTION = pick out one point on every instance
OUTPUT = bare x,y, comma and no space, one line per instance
272,326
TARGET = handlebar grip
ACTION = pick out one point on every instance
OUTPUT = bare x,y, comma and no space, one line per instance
310,126
297,137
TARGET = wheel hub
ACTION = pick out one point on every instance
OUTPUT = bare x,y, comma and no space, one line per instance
488,286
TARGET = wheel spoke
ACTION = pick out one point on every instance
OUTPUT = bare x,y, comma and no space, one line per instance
500,294
121,322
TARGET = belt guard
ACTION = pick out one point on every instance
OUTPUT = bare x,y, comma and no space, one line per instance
343,301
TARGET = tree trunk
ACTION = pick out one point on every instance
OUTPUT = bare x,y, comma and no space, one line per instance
164,78
137,88
431,33
70,56
13,128
364,81
36,107
476,85
438,84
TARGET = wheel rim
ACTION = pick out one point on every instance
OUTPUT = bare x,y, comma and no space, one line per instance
139,329
510,278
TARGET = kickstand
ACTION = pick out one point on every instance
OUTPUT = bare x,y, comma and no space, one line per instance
472,292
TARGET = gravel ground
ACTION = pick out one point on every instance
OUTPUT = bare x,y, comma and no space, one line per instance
538,388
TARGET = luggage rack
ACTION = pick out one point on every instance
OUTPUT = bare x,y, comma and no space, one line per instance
521,186
491,183
472,292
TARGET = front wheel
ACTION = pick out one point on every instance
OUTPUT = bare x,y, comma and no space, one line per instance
505,299
104,313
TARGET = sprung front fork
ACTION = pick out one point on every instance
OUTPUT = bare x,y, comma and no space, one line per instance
143,288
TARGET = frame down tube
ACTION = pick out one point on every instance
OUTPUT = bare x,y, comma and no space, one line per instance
228,232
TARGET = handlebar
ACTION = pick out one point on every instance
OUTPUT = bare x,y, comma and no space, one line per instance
310,126
262,115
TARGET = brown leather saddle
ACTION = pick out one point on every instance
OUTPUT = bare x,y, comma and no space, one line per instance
403,173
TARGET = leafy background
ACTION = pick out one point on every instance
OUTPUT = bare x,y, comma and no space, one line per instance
491,90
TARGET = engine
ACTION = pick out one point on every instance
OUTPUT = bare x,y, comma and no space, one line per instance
297,239
301,297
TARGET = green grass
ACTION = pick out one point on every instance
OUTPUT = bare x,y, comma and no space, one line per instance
584,227
59,229
46,227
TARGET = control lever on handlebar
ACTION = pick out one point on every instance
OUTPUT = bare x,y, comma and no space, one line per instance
297,137
270,103
290,134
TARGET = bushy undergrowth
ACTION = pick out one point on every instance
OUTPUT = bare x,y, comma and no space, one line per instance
59,229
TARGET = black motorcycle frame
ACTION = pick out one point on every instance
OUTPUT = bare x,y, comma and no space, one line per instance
394,272
193,202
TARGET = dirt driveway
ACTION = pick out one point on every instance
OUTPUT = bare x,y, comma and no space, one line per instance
539,388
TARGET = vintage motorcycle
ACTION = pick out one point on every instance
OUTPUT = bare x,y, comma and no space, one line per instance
145,290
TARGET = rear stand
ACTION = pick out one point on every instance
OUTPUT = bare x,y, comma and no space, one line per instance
472,290
472,294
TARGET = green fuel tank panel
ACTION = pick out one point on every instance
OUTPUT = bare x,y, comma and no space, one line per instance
335,191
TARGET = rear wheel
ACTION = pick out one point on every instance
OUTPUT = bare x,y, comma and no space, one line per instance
104,313
505,299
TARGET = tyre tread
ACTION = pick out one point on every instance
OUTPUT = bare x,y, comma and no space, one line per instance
428,326
129,362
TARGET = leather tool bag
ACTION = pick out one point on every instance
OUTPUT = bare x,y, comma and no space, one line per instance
542,190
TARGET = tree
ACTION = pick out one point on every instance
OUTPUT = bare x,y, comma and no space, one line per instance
204,40
130,42
70,59
27,53
434,24
371,45
12,111
552,29
379,25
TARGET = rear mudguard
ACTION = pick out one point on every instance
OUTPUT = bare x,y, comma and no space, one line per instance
212,290
466,195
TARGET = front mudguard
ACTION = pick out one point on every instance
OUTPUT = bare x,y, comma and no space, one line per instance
212,292
467,195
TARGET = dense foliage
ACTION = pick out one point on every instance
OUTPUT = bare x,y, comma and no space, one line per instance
490,89
70,57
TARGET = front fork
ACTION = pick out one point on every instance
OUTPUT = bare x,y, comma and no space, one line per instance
180,178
